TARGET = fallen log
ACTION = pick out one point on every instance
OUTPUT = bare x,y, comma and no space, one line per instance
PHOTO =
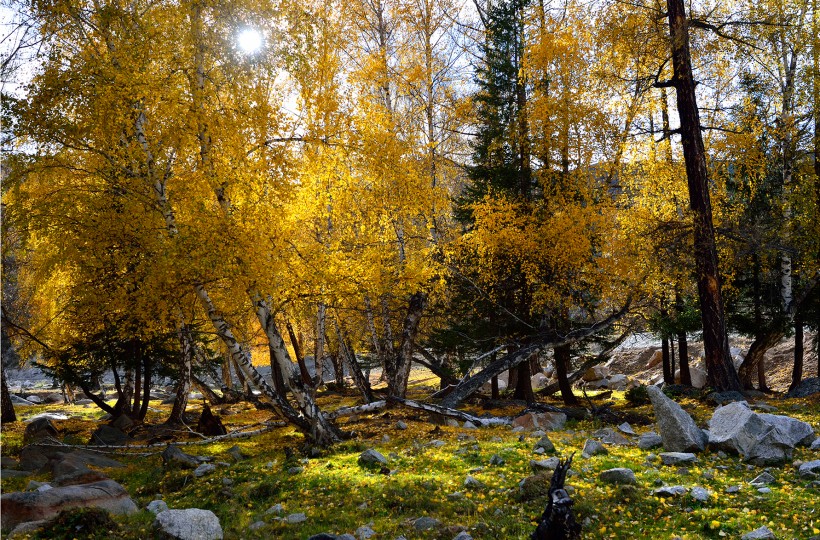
348,411
452,413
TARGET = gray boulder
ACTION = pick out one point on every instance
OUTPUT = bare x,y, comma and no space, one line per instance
763,533
677,429
649,440
593,448
670,491
610,436
157,506
806,388
545,443
816,444
189,524
372,458
700,494
762,439
425,523
172,455
110,436
810,469
619,475
23,506
677,458
296,518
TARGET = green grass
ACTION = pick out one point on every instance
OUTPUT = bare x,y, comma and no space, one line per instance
338,495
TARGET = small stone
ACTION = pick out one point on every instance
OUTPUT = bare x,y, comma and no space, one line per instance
762,479
401,425
816,444
473,483
371,457
649,440
386,438
677,458
495,459
293,519
626,428
437,443
618,475
269,465
545,443
548,464
227,481
810,469
157,506
670,491
682,471
274,510
295,470
463,535
205,468
733,489
764,490
470,425
540,451
708,475
700,494
425,523
455,496
594,448
650,457
256,525
364,532
763,533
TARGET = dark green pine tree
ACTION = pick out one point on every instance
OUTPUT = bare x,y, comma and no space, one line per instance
483,320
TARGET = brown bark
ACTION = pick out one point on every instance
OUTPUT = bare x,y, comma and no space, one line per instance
562,360
797,370
683,360
754,358
398,367
186,360
8,414
668,374
721,373
523,387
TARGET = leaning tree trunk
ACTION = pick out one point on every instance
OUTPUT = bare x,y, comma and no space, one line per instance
750,366
8,414
349,356
322,432
398,366
721,373
297,352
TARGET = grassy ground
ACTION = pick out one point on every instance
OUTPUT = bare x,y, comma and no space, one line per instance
338,495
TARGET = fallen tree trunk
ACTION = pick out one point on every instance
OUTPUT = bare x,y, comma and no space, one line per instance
470,385
348,411
452,413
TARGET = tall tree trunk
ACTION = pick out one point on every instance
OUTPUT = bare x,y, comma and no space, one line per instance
128,391
668,374
797,371
186,359
227,380
683,360
721,373
146,386
398,372
338,370
562,357
135,409
523,388
8,414
761,375
319,352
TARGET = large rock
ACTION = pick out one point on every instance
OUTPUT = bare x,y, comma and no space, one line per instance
697,375
595,373
110,436
172,455
763,533
762,439
619,475
807,387
19,507
36,457
649,440
38,430
810,469
372,458
546,421
677,429
189,524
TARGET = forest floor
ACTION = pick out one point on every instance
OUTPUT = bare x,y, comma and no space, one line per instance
428,467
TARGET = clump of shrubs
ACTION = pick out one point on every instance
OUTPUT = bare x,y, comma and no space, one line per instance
637,395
